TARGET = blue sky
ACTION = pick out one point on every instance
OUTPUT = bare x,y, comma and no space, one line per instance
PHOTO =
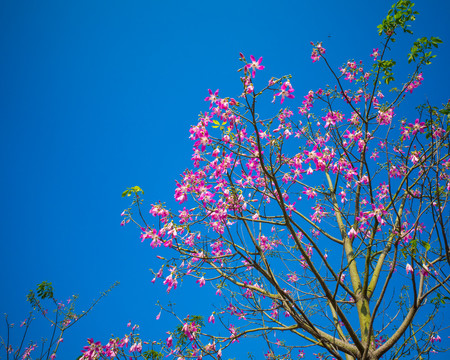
96,96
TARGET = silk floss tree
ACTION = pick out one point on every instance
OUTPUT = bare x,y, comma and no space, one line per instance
325,222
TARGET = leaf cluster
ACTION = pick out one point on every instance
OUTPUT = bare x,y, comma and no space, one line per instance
398,16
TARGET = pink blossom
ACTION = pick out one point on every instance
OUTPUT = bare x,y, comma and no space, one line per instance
137,346
233,333
317,51
319,213
349,76
424,271
394,172
290,207
409,269
201,281
332,117
375,54
169,341
286,91
378,212
385,117
216,152
93,351
435,338
211,319
418,126
310,192
352,233
212,97
255,65
190,330
415,84
170,282
438,132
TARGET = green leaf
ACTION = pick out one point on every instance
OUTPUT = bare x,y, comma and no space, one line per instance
125,193
413,246
137,189
45,290
436,40
426,245
152,354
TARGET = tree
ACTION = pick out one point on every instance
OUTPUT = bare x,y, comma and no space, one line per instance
65,316
330,227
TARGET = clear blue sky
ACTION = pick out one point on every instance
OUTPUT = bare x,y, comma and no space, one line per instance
96,96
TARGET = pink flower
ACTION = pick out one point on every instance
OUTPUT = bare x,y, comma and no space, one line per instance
378,212
211,319
190,330
136,347
158,316
286,91
290,207
409,269
418,126
255,65
124,341
310,192
375,54
201,281
170,282
212,97
343,196
216,152
352,233
385,117
435,338
233,333
169,341
425,271
315,56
